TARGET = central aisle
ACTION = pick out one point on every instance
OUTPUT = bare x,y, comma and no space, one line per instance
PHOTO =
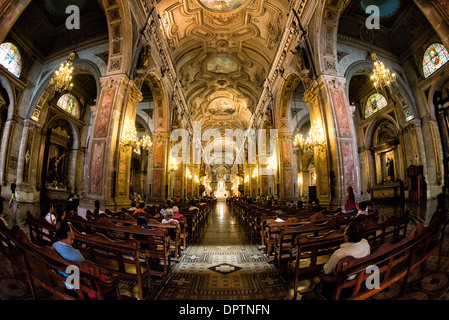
223,265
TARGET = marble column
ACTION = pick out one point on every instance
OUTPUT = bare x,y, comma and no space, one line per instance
108,159
336,160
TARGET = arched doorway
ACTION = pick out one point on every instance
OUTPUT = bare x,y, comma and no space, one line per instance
57,160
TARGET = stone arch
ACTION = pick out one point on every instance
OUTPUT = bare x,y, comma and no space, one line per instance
119,22
326,25
42,90
402,86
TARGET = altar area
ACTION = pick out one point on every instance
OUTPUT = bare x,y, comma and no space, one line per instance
221,193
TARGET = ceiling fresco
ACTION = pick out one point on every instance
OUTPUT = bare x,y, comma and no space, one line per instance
222,49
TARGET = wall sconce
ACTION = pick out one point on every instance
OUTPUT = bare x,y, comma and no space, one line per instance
188,174
255,173
300,179
246,178
172,164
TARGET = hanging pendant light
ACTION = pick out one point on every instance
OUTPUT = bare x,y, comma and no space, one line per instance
382,77
62,79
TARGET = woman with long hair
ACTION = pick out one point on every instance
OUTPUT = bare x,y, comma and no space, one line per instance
350,200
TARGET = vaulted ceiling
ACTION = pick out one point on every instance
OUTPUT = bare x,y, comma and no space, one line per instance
222,52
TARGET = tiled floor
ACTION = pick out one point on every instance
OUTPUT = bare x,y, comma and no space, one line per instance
224,265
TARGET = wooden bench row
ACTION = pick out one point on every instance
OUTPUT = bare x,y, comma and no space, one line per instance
127,254
391,262
312,250
42,266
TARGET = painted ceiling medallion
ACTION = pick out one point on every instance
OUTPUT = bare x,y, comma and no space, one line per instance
221,106
222,5
223,65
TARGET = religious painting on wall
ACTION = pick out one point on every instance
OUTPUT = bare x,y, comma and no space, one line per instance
348,163
340,112
56,165
96,171
223,65
221,106
103,114
222,5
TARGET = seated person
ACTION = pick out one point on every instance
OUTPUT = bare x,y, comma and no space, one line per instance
355,245
64,247
140,210
279,215
317,207
176,214
168,218
97,210
133,206
362,208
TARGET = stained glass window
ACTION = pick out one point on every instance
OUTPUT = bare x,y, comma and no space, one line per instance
10,58
435,57
69,104
374,103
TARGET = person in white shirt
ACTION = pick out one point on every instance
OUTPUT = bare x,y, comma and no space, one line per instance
279,215
169,218
355,245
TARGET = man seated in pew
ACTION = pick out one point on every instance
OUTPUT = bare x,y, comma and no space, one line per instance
355,245
133,207
317,207
362,208
64,247
193,206
279,215
139,210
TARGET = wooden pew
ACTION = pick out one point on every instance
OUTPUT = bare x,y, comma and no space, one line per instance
394,262
116,256
155,240
37,230
393,230
312,252
43,266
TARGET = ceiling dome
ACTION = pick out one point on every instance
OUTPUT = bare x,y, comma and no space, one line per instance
387,8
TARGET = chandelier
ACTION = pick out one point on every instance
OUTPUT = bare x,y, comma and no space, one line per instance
130,139
315,138
62,80
381,77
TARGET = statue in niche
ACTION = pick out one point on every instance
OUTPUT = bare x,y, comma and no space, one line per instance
55,169
390,168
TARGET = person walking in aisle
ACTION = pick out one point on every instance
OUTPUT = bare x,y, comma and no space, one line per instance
13,194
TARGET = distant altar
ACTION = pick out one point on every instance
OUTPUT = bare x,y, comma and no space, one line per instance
221,193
